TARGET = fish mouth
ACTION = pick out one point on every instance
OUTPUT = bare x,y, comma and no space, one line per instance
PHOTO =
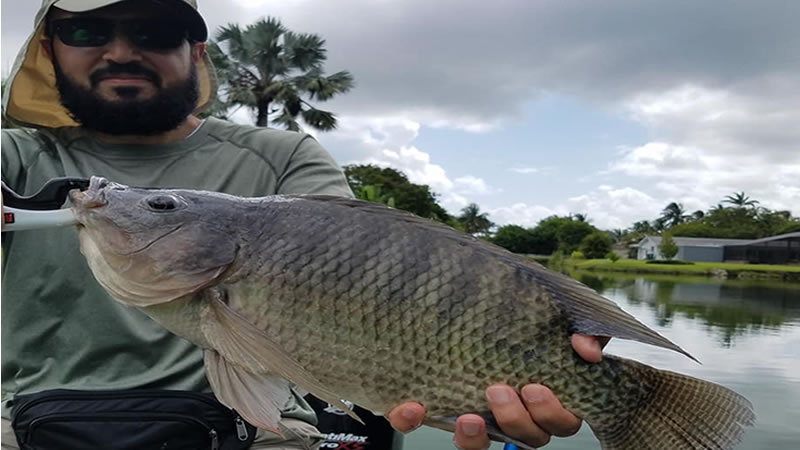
95,196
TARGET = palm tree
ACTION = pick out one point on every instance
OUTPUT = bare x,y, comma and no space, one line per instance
268,68
473,221
717,207
673,214
642,227
697,215
659,225
580,217
617,234
739,200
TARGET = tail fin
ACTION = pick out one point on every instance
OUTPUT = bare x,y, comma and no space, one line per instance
676,412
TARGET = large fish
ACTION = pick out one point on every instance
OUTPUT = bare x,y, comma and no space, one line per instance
352,300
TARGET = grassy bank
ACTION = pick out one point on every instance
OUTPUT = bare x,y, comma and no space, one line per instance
721,270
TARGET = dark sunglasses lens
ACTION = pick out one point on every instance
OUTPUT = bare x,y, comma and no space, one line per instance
156,34
83,32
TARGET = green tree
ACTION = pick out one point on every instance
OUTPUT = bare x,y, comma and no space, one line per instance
595,245
667,247
416,198
269,69
697,215
473,221
572,233
515,238
643,227
374,194
548,229
739,200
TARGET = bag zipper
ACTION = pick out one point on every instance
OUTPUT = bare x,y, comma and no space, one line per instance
126,416
241,429
89,395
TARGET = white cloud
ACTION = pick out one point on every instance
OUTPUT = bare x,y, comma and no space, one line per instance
472,185
389,142
525,170
608,208
699,178
523,214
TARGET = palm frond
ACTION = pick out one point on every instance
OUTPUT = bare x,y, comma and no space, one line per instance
323,88
287,121
319,119
305,51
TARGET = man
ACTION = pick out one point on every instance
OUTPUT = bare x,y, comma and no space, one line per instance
111,88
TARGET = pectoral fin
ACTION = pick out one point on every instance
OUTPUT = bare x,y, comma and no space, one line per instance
238,341
257,398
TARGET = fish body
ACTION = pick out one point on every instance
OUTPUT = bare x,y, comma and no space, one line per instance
351,300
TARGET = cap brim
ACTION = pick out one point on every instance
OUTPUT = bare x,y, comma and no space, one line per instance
197,26
83,5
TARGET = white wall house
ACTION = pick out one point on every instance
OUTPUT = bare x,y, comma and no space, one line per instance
689,249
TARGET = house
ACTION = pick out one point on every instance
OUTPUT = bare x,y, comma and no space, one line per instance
689,248
780,249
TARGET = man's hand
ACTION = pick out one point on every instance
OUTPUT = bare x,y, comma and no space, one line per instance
532,419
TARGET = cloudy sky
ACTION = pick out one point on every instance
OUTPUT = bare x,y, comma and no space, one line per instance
537,107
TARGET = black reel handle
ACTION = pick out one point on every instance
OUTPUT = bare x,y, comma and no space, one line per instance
51,196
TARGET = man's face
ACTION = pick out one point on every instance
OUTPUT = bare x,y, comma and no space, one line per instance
118,87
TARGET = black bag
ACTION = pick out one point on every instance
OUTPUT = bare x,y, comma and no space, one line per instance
63,419
343,433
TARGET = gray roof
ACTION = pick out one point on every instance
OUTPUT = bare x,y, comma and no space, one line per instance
697,242
795,235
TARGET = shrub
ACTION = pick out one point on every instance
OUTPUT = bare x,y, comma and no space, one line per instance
556,261
612,256
577,255
675,262
667,247
596,245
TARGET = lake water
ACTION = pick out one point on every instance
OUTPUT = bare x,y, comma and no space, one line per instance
746,334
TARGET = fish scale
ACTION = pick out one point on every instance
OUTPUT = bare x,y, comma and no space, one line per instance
362,302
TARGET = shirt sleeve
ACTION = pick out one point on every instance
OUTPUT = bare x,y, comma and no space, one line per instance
12,172
311,170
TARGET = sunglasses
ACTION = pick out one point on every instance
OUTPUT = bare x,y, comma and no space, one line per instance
147,34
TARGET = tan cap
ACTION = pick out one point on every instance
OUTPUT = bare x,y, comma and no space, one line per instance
31,97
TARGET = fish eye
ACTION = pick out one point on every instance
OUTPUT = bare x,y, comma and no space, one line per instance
162,203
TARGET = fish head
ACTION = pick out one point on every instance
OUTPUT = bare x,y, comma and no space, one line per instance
151,246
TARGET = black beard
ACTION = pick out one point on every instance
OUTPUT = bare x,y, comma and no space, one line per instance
164,112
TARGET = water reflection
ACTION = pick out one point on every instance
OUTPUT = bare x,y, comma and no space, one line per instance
728,308
746,333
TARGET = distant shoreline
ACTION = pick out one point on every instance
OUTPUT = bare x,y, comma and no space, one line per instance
710,269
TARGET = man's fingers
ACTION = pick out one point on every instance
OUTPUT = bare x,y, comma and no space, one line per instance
513,417
548,412
406,417
589,348
471,433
